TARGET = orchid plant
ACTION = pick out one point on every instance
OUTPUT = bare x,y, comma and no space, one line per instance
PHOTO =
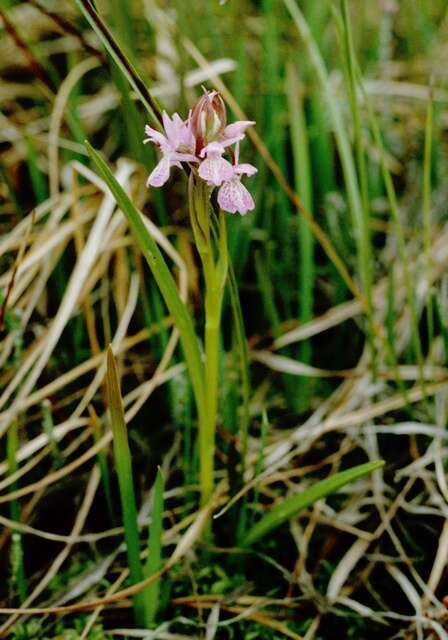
201,142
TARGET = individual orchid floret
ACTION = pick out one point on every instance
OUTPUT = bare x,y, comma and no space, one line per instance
208,119
235,132
233,196
178,145
214,169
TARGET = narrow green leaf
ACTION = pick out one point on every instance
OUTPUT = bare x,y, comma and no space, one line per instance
164,280
154,561
291,506
122,60
122,456
304,186
427,221
345,152
102,462
243,356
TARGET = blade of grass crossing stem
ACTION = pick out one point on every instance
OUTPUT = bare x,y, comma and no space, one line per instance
427,229
123,464
292,506
303,186
345,153
154,562
122,60
361,167
165,282
16,552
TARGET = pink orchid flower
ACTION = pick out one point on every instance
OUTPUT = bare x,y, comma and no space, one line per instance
177,146
214,169
233,196
204,138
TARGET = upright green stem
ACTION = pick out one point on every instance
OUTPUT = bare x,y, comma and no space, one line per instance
212,318
215,274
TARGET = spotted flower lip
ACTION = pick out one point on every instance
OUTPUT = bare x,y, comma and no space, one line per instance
203,139
214,169
233,196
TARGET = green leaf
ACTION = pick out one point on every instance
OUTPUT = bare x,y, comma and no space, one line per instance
154,562
164,280
122,60
296,503
122,456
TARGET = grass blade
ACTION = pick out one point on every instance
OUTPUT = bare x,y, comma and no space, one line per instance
122,456
304,186
293,505
243,356
102,463
122,60
343,145
154,562
427,222
366,253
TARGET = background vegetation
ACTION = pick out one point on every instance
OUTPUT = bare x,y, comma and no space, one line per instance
341,274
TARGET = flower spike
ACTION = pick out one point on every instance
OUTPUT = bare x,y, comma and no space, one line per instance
202,140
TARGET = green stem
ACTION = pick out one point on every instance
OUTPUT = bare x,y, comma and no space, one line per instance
212,318
215,274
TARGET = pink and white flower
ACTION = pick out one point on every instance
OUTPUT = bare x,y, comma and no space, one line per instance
204,138
233,196
177,146
214,169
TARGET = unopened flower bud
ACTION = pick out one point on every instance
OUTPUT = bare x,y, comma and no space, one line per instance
208,119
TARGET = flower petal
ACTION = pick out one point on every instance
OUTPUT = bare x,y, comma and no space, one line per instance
245,168
215,170
184,157
161,172
155,137
212,150
234,197
235,132
237,128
